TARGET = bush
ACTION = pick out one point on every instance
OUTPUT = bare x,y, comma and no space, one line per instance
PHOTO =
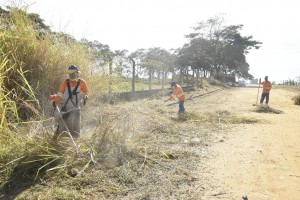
34,61
296,100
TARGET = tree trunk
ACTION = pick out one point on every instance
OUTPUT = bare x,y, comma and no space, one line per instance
150,78
193,78
110,77
180,76
163,78
133,75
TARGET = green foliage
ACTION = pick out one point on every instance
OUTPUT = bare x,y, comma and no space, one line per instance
219,48
34,66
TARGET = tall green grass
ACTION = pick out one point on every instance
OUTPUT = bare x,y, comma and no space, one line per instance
33,63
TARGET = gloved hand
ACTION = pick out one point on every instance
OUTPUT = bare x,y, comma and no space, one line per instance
54,98
85,98
51,97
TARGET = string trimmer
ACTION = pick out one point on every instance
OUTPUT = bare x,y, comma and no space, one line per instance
60,115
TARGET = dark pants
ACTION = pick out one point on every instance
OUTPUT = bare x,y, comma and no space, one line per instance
263,96
181,107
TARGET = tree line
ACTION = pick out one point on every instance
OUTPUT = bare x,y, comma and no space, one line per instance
213,49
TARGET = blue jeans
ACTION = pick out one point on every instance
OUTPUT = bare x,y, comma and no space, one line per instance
263,96
181,107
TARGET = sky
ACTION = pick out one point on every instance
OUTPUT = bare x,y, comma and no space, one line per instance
134,24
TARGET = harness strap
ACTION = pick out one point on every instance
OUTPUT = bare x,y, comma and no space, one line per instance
74,92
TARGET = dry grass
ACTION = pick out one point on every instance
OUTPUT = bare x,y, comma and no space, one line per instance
121,154
267,109
25,153
296,100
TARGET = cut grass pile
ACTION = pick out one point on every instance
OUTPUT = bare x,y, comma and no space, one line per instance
296,100
267,109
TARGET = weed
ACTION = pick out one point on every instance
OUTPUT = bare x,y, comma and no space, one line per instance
296,100
267,109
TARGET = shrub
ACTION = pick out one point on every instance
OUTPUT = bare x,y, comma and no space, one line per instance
296,100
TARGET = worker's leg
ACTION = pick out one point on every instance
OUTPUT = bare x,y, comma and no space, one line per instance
267,98
74,123
181,107
263,95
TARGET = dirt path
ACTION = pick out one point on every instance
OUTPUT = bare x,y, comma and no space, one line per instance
262,160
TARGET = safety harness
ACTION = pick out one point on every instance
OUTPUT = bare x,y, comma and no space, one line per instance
71,93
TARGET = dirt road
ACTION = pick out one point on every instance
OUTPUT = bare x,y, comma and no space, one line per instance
257,161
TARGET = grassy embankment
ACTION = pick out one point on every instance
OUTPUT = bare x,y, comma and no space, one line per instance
32,66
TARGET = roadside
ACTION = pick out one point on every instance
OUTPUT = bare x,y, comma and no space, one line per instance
257,161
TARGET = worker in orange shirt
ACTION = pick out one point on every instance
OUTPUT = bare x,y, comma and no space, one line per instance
267,86
178,92
68,99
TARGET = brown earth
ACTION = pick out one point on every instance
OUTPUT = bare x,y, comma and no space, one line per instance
257,161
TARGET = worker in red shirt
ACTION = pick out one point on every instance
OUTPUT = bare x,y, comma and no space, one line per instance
68,99
267,86
179,94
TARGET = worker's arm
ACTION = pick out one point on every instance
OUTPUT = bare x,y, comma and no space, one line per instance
57,97
84,90
83,87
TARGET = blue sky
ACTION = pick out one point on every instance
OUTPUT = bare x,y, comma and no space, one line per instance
133,24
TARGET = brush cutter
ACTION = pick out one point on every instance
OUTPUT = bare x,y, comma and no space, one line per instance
257,92
164,102
60,115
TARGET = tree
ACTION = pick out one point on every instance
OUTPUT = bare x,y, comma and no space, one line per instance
157,62
102,55
218,48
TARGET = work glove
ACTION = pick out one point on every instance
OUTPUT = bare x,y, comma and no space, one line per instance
51,97
54,98
85,98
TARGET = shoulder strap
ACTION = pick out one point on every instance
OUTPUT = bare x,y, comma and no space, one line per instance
76,87
74,92
69,88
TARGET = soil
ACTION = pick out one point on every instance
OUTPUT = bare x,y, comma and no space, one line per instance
255,161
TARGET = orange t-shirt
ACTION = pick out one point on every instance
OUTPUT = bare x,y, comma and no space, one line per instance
82,83
267,86
178,92
63,88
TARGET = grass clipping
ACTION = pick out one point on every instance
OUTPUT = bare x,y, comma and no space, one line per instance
296,100
267,109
